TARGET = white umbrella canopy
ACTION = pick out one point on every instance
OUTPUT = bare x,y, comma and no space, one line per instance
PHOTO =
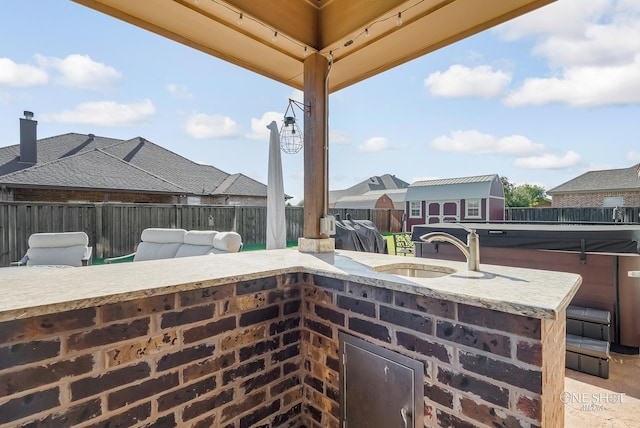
276,222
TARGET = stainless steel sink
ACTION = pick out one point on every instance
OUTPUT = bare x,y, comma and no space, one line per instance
414,270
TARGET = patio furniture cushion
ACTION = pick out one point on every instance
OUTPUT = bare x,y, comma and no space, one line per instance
159,243
65,248
197,243
68,256
58,240
227,242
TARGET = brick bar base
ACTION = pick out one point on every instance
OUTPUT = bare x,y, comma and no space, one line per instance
264,353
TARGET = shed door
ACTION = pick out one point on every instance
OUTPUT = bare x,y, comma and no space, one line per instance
439,212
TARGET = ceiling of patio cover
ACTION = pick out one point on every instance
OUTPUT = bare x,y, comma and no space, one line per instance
274,37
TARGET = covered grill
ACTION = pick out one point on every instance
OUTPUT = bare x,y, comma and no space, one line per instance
359,235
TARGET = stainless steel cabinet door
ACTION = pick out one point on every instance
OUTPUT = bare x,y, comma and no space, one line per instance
379,388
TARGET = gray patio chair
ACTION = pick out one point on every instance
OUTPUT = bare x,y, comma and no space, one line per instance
57,249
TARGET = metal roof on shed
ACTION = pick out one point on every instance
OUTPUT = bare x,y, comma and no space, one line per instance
451,188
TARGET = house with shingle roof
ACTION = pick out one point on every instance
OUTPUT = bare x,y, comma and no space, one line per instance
375,192
604,188
88,168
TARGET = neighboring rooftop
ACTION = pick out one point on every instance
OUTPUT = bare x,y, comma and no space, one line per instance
91,162
382,183
603,180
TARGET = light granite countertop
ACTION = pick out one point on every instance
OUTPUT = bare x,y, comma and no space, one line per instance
26,292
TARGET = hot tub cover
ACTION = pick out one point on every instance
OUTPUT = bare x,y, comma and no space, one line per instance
603,238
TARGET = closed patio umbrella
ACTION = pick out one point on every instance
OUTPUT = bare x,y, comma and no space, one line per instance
276,223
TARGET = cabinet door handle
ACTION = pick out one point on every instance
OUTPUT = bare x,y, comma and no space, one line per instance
404,412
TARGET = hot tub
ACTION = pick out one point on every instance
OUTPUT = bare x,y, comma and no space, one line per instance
603,254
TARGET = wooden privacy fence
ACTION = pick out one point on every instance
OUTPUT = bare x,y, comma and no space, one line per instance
571,215
115,229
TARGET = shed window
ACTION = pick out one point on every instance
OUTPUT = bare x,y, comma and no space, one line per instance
473,208
415,209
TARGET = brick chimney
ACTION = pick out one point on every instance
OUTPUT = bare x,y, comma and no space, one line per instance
28,139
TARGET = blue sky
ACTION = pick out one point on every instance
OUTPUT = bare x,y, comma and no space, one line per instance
538,100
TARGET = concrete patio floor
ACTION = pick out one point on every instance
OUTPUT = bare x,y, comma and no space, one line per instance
591,401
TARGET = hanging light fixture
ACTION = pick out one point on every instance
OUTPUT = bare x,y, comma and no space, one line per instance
291,137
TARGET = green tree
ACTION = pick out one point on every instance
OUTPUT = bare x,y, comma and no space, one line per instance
508,190
525,195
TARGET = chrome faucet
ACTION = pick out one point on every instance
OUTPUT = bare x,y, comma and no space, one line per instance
471,250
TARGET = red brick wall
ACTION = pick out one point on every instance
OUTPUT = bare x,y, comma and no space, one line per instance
60,195
252,201
265,353
480,366
48,195
226,356
587,200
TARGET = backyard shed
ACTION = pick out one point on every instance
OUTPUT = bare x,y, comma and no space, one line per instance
478,199
391,199
365,201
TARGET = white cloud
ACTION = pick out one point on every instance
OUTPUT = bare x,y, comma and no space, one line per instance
591,48
633,156
375,144
460,81
566,17
21,75
599,45
259,130
105,113
202,126
80,71
549,161
583,87
179,91
475,142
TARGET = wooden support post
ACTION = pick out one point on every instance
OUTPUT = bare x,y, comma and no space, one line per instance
316,154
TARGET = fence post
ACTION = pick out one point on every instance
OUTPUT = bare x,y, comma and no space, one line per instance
98,232
177,216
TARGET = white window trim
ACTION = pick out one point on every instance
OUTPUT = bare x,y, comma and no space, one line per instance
466,208
419,209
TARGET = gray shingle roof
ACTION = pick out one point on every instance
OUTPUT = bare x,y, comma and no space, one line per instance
238,184
384,182
106,171
197,178
86,161
599,181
